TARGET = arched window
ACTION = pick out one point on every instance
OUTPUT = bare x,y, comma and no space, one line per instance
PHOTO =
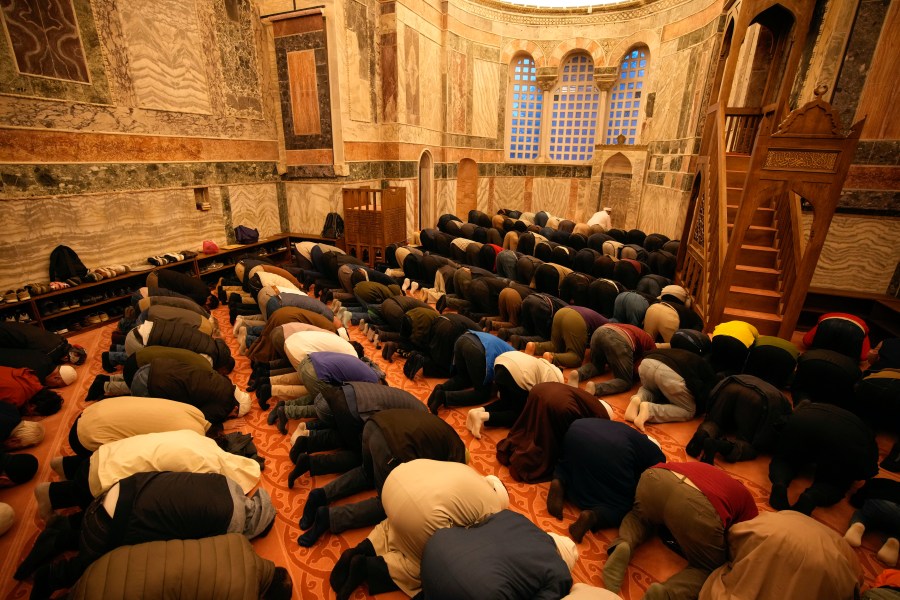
525,109
627,97
576,102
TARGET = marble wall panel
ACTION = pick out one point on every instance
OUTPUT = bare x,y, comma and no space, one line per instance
313,42
430,85
457,91
486,98
389,77
847,260
484,202
309,203
410,79
446,199
662,211
45,39
551,194
163,43
101,232
255,206
509,192
360,66
234,47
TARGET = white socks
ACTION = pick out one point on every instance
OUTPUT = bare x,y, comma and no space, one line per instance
854,534
475,421
243,400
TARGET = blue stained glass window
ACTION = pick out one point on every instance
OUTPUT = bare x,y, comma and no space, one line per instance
525,101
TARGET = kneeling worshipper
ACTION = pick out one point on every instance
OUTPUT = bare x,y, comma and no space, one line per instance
842,448
507,556
181,451
515,373
572,329
23,389
472,375
318,372
731,343
268,346
534,442
619,346
772,359
15,432
598,472
342,413
190,383
877,505
878,392
840,332
675,384
753,410
826,376
123,417
390,438
186,569
785,554
419,497
192,506
698,503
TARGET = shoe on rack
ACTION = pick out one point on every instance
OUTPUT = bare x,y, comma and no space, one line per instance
24,317
22,294
10,296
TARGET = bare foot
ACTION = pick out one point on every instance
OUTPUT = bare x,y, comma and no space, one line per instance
530,348
573,378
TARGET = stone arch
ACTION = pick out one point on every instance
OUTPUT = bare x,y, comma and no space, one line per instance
646,37
577,44
514,47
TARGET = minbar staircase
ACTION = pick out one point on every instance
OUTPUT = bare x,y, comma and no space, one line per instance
755,292
746,256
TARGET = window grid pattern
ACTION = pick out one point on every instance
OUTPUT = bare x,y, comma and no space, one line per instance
576,106
526,105
626,97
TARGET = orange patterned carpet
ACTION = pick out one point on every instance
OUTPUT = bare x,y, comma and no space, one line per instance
310,567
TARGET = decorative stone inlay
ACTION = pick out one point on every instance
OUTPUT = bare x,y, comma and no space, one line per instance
798,160
509,13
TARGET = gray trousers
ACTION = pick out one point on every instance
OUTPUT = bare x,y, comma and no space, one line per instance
665,390
663,498
610,348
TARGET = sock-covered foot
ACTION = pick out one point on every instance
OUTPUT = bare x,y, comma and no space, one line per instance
272,417
573,379
530,348
695,446
341,569
413,365
643,415
778,497
437,399
585,522
441,304
804,504
634,406
45,549
108,366
243,400
710,448
321,525
555,499
387,353
56,463
299,447
854,534
475,421
281,420
301,467
355,578
263,393
889,552
314,501
615,567
42,495
97,389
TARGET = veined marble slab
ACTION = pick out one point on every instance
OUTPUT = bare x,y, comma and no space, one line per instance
255,206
